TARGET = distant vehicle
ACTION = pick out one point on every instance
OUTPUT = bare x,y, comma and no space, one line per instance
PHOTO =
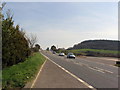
70,55
54,52
61,54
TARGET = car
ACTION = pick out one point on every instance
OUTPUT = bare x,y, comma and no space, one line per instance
70,55
61,54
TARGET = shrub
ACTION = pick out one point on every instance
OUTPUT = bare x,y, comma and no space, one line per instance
17,75
14,44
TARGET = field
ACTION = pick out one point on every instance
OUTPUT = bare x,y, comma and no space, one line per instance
93,52
18,75
96,52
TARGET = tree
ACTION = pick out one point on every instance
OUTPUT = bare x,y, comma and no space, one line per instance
1,15
15,47
32,39
36,48
53,48
47,49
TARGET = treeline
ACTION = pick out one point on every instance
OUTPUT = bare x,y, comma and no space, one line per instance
15,46
97,44
97,48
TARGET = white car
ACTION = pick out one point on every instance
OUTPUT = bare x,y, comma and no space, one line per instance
70,55
61,54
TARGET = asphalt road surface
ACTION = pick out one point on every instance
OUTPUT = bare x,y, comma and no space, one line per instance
98,72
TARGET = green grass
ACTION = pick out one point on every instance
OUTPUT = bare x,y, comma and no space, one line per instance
0,79
95,50
18,75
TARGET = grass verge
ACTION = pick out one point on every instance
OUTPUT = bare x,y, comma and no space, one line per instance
96,52
18,75
93,52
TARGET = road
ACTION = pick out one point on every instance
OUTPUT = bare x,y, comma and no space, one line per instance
98,72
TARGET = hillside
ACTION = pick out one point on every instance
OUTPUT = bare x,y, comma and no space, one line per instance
97,44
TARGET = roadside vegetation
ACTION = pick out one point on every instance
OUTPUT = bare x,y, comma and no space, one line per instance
15,47
96,52
97,44
100,48
21,59
16,44
18,75
92,52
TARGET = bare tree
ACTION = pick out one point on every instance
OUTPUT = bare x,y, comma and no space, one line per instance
32,39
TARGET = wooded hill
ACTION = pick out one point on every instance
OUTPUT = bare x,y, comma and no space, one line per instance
97,44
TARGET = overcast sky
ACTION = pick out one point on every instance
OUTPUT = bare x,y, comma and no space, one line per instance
64,24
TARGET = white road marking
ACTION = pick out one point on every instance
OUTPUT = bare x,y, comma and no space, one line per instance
106,64
96,70
79,64
103,58
111,59
104,70
71,74
99,69
37,75
102,63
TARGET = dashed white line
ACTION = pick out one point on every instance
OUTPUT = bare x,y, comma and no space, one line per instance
71,74
102,63
96,70
104,70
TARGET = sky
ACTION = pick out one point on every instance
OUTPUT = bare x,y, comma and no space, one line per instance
64,24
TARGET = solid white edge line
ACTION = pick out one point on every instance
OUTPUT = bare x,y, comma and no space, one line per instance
37,75
71,74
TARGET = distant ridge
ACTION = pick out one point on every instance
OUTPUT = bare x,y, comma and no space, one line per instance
97,44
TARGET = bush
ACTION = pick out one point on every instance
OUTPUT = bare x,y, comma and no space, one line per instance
18,75
14,44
